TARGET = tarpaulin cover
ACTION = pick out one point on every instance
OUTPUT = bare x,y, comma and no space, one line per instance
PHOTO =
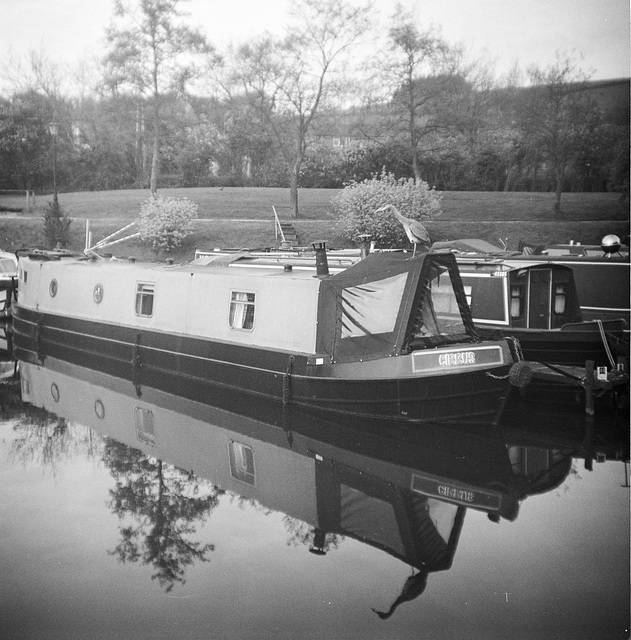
364,312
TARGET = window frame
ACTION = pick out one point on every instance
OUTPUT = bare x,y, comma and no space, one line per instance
246,306
140,297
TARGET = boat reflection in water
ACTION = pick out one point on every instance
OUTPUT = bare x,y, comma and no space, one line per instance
403,491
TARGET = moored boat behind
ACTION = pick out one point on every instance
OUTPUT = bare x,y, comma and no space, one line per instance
389,336
538,304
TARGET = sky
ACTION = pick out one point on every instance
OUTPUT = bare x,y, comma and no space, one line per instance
509,31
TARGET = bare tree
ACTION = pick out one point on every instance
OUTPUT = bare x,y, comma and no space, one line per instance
559,116
152,51
290,80
414,71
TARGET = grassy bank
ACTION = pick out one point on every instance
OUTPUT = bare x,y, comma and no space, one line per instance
237,218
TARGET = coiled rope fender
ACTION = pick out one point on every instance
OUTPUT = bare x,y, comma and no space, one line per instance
520,374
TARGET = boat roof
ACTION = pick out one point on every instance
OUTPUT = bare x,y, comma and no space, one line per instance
221,264
491,265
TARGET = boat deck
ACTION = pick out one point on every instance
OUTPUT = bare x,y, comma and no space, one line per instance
595,383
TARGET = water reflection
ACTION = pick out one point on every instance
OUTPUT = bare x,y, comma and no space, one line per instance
403,491
163,505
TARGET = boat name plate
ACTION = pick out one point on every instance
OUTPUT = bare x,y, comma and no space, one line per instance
449,359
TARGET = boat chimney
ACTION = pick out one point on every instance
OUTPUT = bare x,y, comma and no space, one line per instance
322,264
364,245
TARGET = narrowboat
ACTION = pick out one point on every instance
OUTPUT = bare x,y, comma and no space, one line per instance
390,336
538,304
8,283
601,272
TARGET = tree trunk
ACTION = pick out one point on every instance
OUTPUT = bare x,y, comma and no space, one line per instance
155,161
559,174
139,144
415,166
293,190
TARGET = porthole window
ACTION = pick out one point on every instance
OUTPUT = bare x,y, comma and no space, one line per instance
54,392
98,293
52,288
99,409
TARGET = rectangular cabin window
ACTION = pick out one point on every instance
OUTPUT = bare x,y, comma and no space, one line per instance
517,298
7,266
485,295
468,290
144,299
241,462
242,310
23,276
560,298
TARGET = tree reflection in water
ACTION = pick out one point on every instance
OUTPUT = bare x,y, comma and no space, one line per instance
164,502
45,439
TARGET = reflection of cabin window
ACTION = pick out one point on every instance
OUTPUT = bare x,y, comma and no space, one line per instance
144,299
560,298
516,301
144,426
241,462
242,310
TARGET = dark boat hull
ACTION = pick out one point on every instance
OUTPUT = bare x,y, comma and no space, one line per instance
573,345
219,371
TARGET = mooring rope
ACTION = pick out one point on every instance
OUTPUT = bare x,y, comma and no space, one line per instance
606,343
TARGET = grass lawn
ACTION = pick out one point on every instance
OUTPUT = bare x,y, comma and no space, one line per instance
243,217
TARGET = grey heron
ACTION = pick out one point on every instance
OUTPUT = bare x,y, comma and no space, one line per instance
414,229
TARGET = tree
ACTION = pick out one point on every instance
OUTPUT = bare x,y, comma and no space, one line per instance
412,74
559,116
24,142
153,52
290,80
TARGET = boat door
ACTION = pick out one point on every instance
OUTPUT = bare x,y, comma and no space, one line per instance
540,292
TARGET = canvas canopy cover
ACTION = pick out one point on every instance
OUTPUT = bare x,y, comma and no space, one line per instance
388,303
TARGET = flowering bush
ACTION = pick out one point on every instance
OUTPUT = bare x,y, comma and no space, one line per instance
356,204
165,222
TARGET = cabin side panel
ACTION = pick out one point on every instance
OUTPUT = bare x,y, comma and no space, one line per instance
227,305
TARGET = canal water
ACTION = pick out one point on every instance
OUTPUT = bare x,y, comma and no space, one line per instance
130,513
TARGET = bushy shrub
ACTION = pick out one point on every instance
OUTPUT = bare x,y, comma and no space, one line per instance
56,226
165,222
357,203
